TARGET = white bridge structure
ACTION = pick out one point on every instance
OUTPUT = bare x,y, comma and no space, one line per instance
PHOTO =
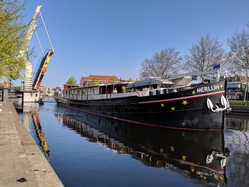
32,83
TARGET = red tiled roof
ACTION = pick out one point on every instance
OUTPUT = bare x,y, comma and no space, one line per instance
100,77
7,84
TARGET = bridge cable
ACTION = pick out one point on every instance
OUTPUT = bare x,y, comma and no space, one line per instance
46,31
39,43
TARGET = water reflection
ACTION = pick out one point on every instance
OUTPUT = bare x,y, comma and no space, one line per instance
237,139
194,154
29,115
211,158
40,136
240,123
26,109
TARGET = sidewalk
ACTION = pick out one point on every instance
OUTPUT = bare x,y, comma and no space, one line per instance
21,161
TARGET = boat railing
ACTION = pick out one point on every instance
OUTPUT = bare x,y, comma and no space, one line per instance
143,93
119,95
101,96
159,91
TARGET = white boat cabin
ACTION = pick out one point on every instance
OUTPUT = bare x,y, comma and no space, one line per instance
147,87
150,86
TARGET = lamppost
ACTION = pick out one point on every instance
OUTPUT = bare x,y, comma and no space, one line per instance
22,85
11,85
246,87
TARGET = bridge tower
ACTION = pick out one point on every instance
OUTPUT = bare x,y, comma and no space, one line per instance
31,93
28,70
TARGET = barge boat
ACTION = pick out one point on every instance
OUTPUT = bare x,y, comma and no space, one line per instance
192,101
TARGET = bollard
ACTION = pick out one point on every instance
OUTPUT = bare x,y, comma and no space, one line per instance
3,94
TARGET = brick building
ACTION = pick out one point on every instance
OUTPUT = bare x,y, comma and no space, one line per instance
7,84
101,78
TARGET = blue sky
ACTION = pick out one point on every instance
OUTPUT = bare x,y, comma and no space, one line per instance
113,37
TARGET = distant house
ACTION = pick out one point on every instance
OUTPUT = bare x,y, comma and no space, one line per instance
57,89
66,86
43,90
101,78
7,84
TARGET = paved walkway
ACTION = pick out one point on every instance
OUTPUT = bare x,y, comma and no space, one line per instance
21,161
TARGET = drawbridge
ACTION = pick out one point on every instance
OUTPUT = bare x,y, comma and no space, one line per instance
33,81
42,68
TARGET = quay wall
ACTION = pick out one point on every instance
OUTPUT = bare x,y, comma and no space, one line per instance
22,162
239,110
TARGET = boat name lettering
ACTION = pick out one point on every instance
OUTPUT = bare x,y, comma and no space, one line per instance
208,88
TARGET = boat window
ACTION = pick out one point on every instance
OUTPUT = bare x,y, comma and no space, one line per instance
102,90
172,90
237,85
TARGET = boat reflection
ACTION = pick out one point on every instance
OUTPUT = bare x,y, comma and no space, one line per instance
195,154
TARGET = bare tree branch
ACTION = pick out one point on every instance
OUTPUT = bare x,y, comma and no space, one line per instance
239,47
167,61
204,55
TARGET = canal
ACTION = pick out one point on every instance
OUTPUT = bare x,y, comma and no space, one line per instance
91,151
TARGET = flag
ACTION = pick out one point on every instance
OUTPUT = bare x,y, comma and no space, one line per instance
217,66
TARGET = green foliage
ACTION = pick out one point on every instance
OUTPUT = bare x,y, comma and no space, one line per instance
130,80
71,80
17,88
12,37
238,102
94,81
112,80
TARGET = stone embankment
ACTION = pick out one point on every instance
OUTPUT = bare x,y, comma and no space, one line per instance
21,161
239,110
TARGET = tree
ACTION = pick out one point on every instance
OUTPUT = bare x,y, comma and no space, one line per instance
94,81
204,55
239,52
130,80
166,62
12,37
71,80
111,80
17,88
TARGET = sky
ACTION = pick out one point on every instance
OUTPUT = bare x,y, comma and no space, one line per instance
113,37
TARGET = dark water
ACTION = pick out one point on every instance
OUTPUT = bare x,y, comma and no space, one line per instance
91,151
